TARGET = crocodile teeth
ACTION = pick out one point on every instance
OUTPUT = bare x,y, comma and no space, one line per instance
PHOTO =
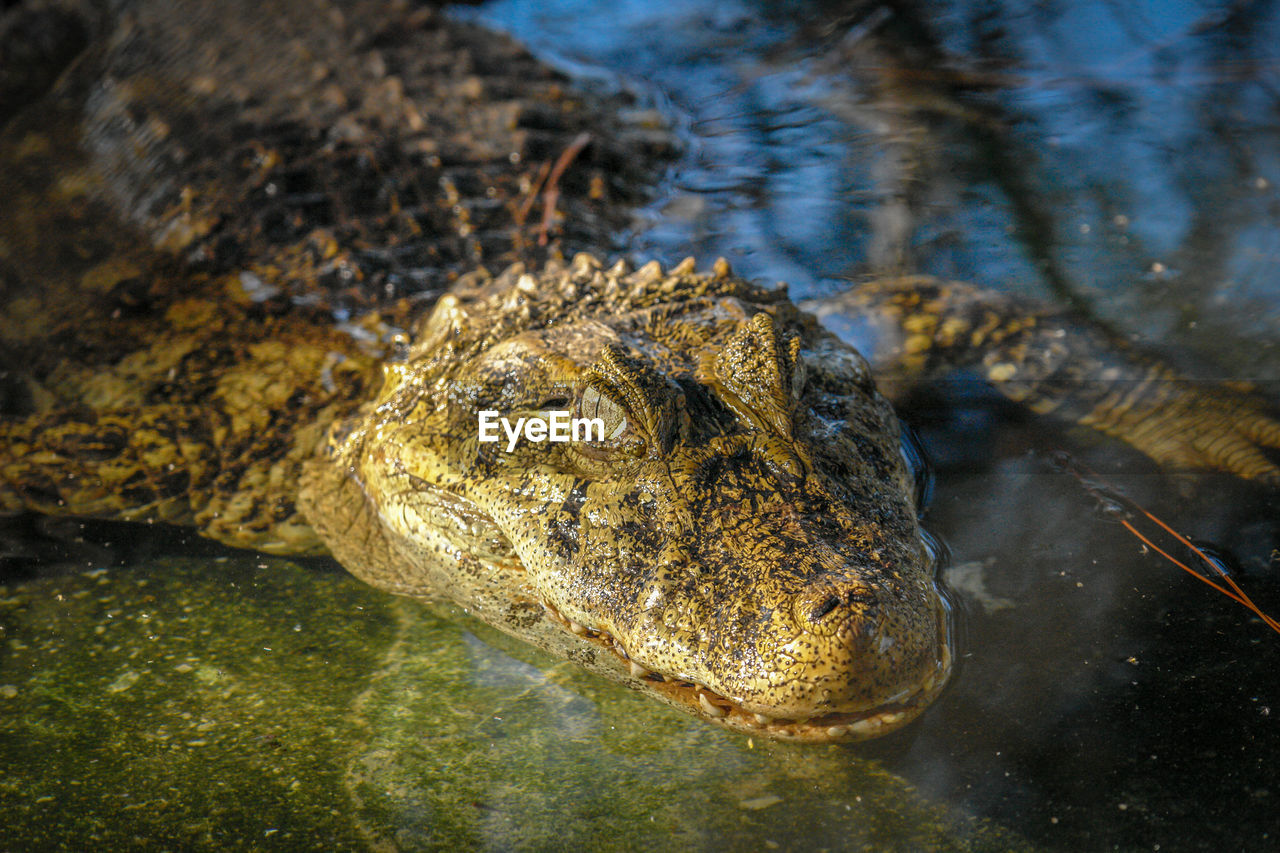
929,682
637,671
721,268
620,269
686,267
577,628
865,728
875,724
712,710
762,719
837,731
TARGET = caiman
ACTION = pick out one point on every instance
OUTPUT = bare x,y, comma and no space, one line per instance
244,291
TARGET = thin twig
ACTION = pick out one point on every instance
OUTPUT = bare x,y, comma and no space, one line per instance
1106,493
551,194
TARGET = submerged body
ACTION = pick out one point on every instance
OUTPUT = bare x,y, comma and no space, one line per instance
740,537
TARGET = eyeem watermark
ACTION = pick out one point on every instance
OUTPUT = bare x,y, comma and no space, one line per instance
556,426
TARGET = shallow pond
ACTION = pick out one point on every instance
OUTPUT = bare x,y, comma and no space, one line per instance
1120,158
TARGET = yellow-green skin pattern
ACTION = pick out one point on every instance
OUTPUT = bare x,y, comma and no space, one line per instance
744,542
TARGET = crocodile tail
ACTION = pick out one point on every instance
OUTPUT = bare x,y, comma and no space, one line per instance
1054,362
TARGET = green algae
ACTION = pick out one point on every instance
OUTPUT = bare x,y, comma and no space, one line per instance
183,705
251,703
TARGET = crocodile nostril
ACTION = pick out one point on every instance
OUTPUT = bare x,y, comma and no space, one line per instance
822,604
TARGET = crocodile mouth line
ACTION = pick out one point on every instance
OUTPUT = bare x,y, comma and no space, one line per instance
836,726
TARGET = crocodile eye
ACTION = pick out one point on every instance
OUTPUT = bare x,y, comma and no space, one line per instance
611,438
596,405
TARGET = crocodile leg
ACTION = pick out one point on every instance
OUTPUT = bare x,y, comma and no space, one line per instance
1056,363
169,463
125,464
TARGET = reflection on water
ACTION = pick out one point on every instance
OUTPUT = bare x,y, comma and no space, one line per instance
1122,158
1119,157
760,180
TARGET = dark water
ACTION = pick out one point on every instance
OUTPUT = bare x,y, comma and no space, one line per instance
1117,157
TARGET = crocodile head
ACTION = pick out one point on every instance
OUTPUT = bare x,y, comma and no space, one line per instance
737,535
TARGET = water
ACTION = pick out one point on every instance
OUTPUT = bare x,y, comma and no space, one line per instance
763,156
1121,158
1118,158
